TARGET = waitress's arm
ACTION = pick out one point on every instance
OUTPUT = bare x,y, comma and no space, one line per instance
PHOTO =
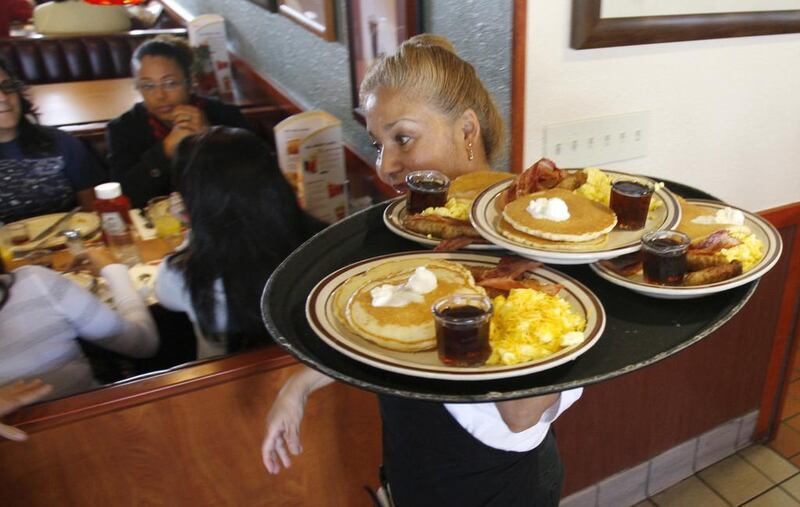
520,415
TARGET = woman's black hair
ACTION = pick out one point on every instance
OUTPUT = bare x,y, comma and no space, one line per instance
33,139
167,46
6,281
244,221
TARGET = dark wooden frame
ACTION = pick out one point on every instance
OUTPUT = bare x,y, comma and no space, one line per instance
412,13
270,5
326,30
589,30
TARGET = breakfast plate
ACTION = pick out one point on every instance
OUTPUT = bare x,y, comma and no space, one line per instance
85,223
393,217
321,315
763,231
486,218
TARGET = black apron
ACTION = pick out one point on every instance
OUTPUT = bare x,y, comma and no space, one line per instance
430,460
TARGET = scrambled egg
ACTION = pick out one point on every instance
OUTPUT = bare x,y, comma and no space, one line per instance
530,324
598,188
453,208
749,252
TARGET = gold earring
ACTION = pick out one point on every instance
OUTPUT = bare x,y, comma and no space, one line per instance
470,155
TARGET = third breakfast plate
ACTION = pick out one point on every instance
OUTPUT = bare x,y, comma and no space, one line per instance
487,218
323,316
761,230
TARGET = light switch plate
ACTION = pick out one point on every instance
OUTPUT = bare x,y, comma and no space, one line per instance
596,141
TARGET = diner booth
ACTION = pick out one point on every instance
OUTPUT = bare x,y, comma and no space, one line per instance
671,387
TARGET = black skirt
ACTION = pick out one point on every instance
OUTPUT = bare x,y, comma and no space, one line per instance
430,460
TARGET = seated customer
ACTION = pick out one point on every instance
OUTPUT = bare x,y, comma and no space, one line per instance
42,313
142,141
42,169
79,17
245,220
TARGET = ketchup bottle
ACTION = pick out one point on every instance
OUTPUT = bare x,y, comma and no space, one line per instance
114,210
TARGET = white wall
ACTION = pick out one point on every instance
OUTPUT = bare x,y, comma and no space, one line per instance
724,113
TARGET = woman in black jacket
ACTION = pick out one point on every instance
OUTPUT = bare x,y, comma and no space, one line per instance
142,141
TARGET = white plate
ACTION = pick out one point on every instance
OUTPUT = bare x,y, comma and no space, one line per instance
85,223
321,316
393,217
485,217
763,230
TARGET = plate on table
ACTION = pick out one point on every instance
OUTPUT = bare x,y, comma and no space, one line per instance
320,312
393,217
763,230
486,218
85,223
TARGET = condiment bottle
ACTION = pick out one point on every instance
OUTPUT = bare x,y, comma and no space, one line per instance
114,210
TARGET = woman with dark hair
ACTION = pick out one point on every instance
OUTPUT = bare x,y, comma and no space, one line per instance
245,220
142,141
42,169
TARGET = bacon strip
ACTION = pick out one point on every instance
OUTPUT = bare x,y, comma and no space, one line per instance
540,176
510,274
453,244
714,242
625,265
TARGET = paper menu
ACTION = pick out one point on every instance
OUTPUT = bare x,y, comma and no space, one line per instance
311,157
207,35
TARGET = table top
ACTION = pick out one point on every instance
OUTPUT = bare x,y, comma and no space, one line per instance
640,330
101,100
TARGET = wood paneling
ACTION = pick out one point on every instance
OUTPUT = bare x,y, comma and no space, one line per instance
518,44
200,447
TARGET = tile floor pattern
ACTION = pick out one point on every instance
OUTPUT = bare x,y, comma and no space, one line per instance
758,476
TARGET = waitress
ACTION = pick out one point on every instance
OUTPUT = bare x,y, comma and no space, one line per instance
427,109
142,141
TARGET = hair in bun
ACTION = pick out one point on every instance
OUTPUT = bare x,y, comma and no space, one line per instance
427,67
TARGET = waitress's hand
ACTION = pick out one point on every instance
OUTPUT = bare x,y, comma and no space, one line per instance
283,429
285,416
15,395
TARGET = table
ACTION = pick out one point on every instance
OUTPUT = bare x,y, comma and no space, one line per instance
98,101
640,330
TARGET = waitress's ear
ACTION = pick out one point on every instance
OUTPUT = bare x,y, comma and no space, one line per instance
469,126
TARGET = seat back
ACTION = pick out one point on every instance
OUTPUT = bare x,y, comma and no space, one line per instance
39,59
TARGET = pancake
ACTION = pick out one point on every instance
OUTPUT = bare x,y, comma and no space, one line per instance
689,212
468,186
588,219
508,231
408,328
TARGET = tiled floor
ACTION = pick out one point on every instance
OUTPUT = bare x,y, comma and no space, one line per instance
758,476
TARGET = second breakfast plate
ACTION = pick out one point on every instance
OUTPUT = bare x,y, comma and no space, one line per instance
761,229
85,223
321,316
486,217
393,217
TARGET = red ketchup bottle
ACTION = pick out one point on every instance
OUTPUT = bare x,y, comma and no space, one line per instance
114,210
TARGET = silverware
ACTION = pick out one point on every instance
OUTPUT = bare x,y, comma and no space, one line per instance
53,228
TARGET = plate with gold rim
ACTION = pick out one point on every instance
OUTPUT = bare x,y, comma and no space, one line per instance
393,217
321,315
761,229
486,218
85,223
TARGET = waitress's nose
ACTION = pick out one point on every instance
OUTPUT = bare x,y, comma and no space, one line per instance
390,168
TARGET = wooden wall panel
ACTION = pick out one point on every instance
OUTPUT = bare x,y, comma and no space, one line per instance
200,448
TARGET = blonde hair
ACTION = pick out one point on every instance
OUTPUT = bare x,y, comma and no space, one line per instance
427,66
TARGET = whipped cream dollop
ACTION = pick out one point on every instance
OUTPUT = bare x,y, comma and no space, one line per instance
554,209
725,215
421,282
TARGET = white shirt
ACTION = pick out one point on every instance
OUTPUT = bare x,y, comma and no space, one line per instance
44,314
484,422
78,17
173,294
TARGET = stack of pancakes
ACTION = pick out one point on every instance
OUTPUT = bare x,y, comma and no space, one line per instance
409,328
589,222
